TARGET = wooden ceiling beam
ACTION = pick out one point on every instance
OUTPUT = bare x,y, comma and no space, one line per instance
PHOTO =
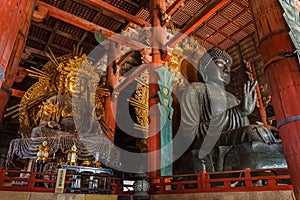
42,26
91,27
56,26
172,9
17,93
119,12
35,39
113,16
85,34
132,3
31,50
102,11
195,23
62,48
240,4
229,21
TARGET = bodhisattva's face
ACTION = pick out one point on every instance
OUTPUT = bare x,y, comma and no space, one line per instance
219,72
75,85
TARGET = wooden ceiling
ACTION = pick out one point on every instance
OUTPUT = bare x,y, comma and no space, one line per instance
63,24
222,27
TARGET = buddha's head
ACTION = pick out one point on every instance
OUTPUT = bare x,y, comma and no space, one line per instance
214,67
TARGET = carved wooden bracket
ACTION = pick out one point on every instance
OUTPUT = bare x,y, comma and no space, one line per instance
40,14
167,54
22,72
25,55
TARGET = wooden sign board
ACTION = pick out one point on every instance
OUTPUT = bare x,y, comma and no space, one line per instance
60,181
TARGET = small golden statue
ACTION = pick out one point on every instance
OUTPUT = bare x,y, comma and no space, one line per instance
86,163
42,156
42,153
96,162
72,156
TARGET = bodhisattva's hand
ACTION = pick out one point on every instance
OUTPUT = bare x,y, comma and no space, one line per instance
247,105
54,125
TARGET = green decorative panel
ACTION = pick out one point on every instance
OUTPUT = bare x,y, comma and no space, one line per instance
166,113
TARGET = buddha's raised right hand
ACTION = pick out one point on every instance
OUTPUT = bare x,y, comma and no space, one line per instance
247,105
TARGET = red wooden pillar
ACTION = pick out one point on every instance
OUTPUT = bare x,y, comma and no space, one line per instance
157,43
110,114
110,103
14,24
284,79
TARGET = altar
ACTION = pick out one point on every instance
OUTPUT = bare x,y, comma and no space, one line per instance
88,179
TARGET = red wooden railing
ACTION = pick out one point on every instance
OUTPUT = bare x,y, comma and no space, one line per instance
15,180
233,181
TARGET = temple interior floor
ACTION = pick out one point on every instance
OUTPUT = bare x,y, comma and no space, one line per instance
263,195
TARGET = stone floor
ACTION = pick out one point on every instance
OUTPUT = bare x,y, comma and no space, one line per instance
266,195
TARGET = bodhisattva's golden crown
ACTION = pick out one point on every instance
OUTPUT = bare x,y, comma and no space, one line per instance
80,65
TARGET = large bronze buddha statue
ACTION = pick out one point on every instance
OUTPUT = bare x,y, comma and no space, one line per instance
215,117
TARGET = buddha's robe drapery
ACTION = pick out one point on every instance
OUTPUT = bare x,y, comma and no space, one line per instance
211,114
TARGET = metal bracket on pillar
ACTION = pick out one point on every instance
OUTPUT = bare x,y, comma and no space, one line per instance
289,53
278,57
2,73
288,120
6,89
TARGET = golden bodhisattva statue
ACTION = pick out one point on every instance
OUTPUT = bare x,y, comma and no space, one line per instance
75,98
64,109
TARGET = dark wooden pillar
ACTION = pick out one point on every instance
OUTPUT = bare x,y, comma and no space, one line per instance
157,43
284,79
14,24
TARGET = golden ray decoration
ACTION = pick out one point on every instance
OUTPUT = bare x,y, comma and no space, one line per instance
140,101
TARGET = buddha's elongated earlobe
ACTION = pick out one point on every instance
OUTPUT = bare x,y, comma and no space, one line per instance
205,77
203,74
